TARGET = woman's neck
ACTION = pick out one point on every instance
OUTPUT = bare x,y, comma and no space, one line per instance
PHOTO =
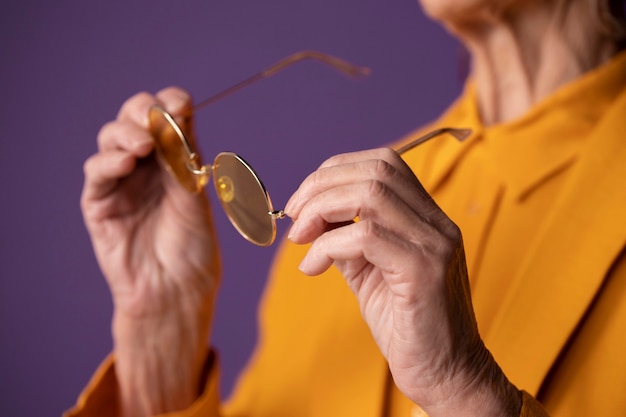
520,57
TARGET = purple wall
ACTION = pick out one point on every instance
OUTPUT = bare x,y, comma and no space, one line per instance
66,66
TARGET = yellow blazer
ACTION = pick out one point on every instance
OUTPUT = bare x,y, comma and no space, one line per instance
553,314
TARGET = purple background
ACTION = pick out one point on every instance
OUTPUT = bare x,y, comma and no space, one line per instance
66,66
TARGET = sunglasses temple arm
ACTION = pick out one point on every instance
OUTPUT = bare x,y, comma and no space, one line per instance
460,134
334,62
228,91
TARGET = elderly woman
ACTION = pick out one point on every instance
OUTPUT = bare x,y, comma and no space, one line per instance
524,315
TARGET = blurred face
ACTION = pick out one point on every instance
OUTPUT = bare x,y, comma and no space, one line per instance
453,11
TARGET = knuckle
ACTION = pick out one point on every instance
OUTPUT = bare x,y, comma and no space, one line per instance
174,98
382,169
174,90
452,232
138,99
88,165
451,240
389,154
376,189
332,161
321,178
105,131
367,231
455,232
136,107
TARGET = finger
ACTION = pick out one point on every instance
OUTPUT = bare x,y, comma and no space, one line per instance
129,130
123,135
369,200
381,163
333,175
175,100
381,176
386,154
363,240
135,109
103,171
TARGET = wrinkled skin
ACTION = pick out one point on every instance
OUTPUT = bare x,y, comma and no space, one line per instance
155,244
404,260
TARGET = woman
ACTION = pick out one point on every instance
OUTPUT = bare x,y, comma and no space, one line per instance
537,192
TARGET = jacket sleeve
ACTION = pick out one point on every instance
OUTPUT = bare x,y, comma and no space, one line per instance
100,399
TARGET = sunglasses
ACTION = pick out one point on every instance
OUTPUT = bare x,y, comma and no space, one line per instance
239,189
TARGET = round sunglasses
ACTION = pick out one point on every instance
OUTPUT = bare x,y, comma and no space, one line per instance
239,189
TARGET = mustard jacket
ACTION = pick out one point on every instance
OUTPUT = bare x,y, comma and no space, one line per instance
541,202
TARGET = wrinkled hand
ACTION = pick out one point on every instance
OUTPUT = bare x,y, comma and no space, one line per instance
149,234
404,260
155,244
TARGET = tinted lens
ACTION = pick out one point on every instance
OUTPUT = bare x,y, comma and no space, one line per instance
172,147
244,198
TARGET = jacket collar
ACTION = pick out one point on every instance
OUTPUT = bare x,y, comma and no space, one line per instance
574,108
565,270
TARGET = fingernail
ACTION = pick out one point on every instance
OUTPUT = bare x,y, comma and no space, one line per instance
180,98
291,200
293,231
290,205
303,264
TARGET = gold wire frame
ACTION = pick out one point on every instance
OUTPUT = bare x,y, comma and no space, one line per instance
244,199
182,160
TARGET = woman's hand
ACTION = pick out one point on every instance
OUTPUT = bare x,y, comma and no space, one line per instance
404,260
155,244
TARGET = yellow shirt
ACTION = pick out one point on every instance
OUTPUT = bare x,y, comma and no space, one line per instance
541,202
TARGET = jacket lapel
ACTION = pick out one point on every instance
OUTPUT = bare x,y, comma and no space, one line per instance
568,265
